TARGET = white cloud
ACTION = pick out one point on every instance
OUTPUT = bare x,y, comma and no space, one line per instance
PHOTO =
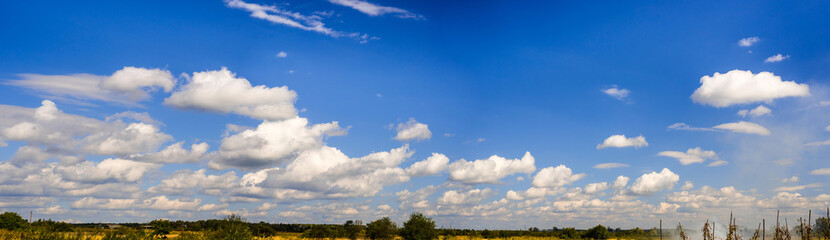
126,86
790,179
108,170
282,54
744,127
412,130
471,196
266,206
692,155
595,187
558,176
620,141
756,112
184,181
742,87
796,188
776,58
621,181
221,91
686,127
610,165
277,15
687,186
135,138
821,171
431,166
490,170
746,42
653,182
374,9
618,93
785,162
174,154
717,163
272,143
824,143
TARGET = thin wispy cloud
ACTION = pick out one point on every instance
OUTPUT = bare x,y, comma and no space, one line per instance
616,92
372,9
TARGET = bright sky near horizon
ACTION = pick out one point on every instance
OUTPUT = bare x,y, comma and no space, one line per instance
480,114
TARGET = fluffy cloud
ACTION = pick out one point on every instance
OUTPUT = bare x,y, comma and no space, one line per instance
186,180
621,181
776,58
620,141
490,170
431,166
610,165
618,93
412,130
155,203
595,187
272,143
761,110
471,196
221,91
108,170
742,87
126,86
374,9
692,155
558,176
135,138
175,154
746,42
653,182
744,127
282,54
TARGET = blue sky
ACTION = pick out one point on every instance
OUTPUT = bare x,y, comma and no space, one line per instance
483,114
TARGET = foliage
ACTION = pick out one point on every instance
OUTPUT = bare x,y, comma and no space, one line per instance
598,232
381,229
233,227
569,233
352,229
161,227
318,232
52,226
419,227
12,221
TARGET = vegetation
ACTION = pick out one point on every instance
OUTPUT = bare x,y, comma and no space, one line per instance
381,229
12,221
419,227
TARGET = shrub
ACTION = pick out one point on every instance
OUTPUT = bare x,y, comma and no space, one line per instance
12,221
598,232
233,227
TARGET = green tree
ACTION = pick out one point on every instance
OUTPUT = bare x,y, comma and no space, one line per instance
317,232
353,229
419,227
598,232
12,221
569,233
381,229
161,227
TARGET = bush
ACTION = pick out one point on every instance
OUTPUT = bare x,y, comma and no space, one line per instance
598,232
381,229
12,221
419,227
161,227
233,227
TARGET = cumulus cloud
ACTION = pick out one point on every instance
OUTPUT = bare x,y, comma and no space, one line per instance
558,176
126,86
221,91
595,187
790,179
621,182
761,110
272,143
620,141
692,155
412,130
372,9
776,58
744,127
490,170
282,54
746,42
742,87
618,93
610,165
108,170
174,153
472,196
654,182
135,138
431,166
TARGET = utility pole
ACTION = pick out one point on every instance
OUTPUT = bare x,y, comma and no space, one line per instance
30,216
661,229
764,231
